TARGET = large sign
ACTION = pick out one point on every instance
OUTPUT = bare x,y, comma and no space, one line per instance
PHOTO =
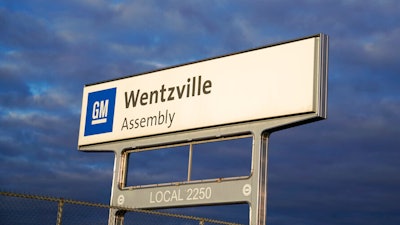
251,93
267,82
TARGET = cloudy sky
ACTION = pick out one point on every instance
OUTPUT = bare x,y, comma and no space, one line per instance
343,170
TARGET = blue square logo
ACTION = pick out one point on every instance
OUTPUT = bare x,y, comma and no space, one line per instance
100,112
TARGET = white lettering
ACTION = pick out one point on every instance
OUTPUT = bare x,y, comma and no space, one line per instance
167,196
175,195
103,108
100,111
95,113
151,198
159,196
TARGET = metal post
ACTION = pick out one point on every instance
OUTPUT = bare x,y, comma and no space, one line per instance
190,162
258,205
116,217
59,211
119,217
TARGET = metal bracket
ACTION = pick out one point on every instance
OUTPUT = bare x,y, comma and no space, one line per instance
251,189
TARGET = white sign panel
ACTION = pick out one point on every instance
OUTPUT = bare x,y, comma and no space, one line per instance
268,82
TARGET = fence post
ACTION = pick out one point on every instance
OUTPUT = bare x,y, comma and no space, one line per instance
59,211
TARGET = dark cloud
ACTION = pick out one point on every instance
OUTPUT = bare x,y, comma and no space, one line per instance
14,90
20,30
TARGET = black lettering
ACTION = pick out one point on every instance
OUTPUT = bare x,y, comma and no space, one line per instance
161,118
180,92
171,91
188,88
143,122
207,85
125,124
193,86
143,98
150,120
162,90
136,123
199,86
153,93
131,98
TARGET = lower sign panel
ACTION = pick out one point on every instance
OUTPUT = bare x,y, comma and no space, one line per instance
234,191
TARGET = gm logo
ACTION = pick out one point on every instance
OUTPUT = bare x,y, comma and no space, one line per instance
100,112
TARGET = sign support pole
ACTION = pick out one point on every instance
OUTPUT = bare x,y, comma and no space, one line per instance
256,188
251,190
116,217
259,217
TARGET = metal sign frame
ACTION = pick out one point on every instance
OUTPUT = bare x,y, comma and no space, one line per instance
250,189
266,82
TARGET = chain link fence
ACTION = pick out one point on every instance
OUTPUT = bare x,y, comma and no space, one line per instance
25,209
